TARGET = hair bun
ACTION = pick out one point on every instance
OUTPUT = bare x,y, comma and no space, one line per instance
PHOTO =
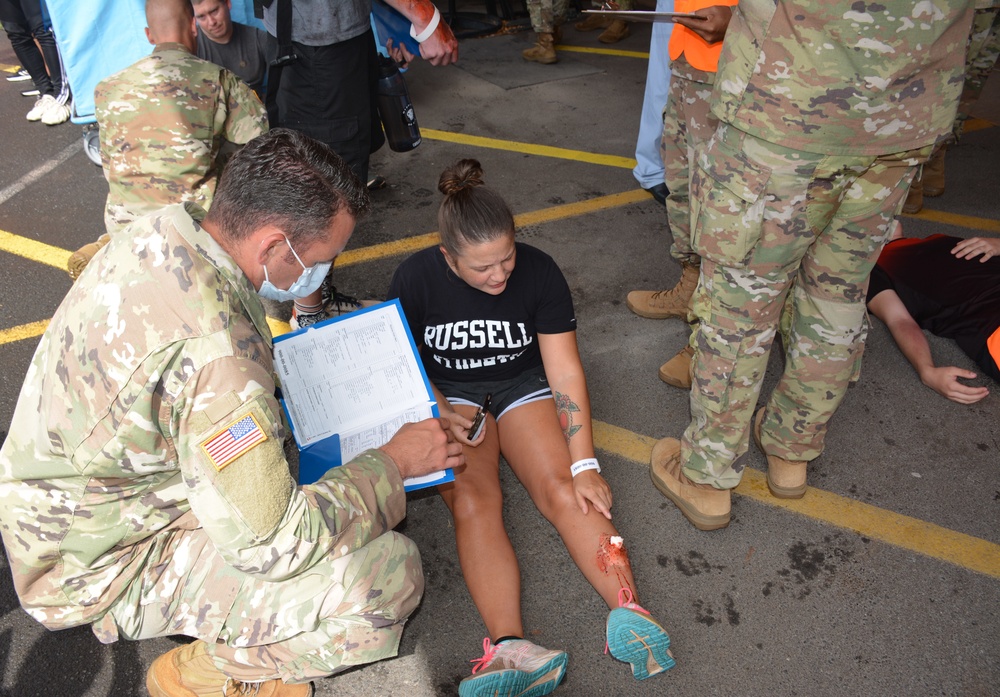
464,174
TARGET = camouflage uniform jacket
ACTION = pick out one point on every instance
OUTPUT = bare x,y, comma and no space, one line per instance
844,78
163,121
159,348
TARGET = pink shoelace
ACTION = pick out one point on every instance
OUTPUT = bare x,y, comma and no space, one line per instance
625,600
489,650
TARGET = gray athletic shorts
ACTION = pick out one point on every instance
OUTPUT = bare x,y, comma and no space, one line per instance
529,386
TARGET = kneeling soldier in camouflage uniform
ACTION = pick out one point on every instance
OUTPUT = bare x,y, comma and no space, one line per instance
144,488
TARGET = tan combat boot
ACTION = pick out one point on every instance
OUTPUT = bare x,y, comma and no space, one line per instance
661,304
933,176
678,370
914,197
592,22
79,259
188,671
705,507
785,478
615,32
543,51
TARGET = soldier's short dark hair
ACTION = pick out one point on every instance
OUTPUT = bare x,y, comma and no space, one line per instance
286,179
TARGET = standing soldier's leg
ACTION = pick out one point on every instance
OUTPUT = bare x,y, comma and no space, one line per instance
756,210
825,325
543,22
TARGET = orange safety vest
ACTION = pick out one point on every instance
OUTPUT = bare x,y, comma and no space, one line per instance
698,52
993,344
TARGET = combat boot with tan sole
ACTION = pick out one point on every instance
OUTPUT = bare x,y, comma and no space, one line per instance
188,671
786,479
933,176
677,371
615,32
705,507
544,50
663,304
593,22
79,259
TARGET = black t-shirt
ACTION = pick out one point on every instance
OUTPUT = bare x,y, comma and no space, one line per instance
954,298
471,336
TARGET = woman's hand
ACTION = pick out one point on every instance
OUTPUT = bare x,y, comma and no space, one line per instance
989,247
460,426
589,486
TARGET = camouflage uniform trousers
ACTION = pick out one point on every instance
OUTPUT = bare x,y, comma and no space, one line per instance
786,237
344,611
688,123
546,15
984,48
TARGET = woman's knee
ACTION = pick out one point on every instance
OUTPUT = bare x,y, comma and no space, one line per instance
476,505
556,498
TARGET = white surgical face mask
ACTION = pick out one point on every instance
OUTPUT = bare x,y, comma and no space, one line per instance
307,283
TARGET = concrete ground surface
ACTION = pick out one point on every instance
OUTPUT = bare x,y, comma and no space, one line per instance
883,580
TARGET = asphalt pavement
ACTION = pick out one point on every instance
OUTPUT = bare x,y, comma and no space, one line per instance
883,580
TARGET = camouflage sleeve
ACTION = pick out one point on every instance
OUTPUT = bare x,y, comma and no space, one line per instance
241,116
228,434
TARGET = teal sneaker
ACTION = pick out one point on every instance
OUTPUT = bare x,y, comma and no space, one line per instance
514,668
635,637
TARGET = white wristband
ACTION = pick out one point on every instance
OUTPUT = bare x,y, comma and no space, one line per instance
428,30
583,465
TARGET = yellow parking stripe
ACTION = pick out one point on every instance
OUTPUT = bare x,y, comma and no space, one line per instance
528,148
976,124
278,327
408,245
9,68
966,221
33,250
876,523
604,51
24,331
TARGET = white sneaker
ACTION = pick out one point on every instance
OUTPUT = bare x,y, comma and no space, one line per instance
514,668
42,104
56,114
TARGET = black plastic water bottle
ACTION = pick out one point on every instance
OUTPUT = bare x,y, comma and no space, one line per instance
395,108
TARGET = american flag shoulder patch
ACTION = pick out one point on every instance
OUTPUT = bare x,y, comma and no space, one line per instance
234,440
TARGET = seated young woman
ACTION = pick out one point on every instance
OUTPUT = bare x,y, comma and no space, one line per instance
495,317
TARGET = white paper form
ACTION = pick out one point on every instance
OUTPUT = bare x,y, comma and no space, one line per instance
353,378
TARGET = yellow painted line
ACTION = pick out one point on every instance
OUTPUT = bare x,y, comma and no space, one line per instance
36,329
591,205
976,124
278,327
9,68
57,257
876,523
529,148
604,51
965,221
408,245
33,250
24,331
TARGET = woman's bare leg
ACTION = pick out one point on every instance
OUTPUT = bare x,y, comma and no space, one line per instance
484,550
534,445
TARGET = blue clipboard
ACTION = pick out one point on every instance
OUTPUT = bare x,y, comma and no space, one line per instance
319,456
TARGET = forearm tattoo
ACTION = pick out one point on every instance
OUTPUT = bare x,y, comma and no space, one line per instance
565,409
